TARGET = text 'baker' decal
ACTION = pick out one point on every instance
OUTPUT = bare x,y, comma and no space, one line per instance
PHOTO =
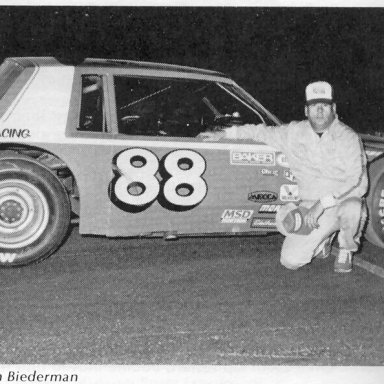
181,187
252,158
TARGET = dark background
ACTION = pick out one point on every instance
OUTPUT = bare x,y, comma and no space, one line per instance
272,52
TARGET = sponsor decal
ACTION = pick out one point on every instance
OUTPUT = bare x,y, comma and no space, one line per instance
289,176
289,192
135,185
262,196
263,223
13,133
6,257
252,158
239,216
269,172
281,159
269,208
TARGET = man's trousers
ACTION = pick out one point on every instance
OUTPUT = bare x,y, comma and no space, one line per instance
348,218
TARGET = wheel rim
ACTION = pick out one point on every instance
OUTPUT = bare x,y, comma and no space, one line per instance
24,213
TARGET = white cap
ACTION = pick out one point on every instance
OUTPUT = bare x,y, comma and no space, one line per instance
318,92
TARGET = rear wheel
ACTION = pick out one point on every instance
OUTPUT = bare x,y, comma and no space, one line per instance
34,212
375,202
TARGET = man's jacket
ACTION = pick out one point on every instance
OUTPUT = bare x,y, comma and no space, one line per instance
331,168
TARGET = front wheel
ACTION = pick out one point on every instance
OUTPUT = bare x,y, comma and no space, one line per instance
34,212
375,202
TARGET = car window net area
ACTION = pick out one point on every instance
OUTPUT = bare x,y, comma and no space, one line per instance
179,108
92,112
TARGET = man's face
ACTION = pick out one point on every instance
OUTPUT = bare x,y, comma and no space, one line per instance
320,115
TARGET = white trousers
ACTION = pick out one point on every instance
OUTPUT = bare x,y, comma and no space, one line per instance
348,218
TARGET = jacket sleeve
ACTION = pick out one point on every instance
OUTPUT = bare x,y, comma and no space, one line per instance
355,160
271,135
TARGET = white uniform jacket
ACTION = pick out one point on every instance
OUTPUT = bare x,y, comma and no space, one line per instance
331,168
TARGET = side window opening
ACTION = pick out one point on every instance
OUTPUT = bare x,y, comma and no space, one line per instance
92,110
175,107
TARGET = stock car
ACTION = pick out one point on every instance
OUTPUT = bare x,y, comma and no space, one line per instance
115,145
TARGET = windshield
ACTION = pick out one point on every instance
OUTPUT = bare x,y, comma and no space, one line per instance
246,98
182,107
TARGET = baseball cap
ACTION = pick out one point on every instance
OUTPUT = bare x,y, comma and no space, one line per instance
290,220
319,92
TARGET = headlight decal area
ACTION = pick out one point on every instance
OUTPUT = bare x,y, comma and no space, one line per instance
179,187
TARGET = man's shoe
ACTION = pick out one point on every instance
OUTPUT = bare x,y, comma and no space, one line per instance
325,250
343,261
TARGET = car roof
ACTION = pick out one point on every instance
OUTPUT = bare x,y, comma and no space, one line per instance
114,63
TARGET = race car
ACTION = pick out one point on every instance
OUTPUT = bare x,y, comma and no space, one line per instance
116,146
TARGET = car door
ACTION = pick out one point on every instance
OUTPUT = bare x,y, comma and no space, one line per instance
166,178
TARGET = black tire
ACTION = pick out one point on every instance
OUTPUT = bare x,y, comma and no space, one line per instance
375,202
34,212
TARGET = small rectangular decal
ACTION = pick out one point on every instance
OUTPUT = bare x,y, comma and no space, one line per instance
282,160
269,172
262,196
289,192
289,175
263,223
239,216
269,208
252,158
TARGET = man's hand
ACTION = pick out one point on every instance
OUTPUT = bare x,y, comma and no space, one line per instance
212,135
313,215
